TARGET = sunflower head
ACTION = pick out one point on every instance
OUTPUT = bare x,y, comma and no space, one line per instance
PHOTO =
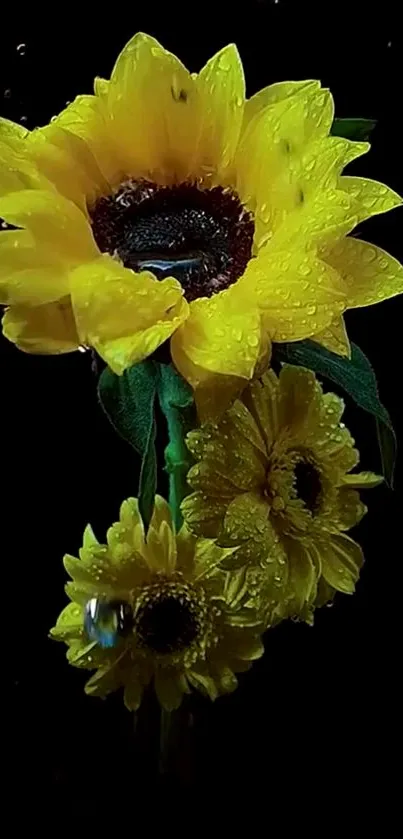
158,609
168,208
274,476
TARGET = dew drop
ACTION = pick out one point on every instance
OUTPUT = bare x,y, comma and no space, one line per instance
7,93
21,49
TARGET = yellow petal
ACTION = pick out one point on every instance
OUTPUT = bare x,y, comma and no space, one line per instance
221,89
29,274
299,398
161,513
152,105
271,95
316,219
362,480
133,693
168,687
370,196
298,295
335,337
85,117
101,86
124,315
261,398
263,158
222,334
301,573
203,515
160,548
52,220
68,163
42,329
342,559
16,171
368,273
12,133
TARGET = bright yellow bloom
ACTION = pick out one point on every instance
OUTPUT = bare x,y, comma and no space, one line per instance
168,207
180,623
274,477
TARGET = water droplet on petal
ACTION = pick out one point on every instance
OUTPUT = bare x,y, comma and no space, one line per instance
105,621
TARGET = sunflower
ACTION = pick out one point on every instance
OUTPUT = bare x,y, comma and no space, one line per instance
166,206
274,476
155,610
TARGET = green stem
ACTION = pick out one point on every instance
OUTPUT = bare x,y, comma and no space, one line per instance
178,459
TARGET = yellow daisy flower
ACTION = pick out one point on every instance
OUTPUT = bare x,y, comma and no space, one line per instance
167,206
274,476
155,610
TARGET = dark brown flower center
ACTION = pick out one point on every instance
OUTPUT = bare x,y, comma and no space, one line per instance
203,237
167,623
308,484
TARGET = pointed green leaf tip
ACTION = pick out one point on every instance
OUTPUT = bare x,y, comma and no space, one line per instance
353,129
129,402
354,375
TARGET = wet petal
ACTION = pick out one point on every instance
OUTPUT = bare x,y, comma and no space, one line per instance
371,197
271,95
45,329
203,515
342,559
299,398
362,480
297,294
153,108
221,89
29,274
222,334
335,337
124,315
261,397
52,220
85,118
368,273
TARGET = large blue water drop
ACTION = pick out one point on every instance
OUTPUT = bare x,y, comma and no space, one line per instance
105,621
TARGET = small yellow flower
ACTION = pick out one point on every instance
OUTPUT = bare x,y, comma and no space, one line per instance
159,610
274,477
168,207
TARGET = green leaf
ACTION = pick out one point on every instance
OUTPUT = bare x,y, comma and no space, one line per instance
173,390
177,403
129,402
356,377
353,129
148,477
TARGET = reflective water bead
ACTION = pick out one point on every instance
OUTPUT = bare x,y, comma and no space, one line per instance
105,621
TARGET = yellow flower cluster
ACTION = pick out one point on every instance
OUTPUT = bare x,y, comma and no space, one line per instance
168,209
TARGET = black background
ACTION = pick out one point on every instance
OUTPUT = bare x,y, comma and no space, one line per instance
313,727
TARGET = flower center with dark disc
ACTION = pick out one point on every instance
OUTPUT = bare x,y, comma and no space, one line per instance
203,237
308,485
167,622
